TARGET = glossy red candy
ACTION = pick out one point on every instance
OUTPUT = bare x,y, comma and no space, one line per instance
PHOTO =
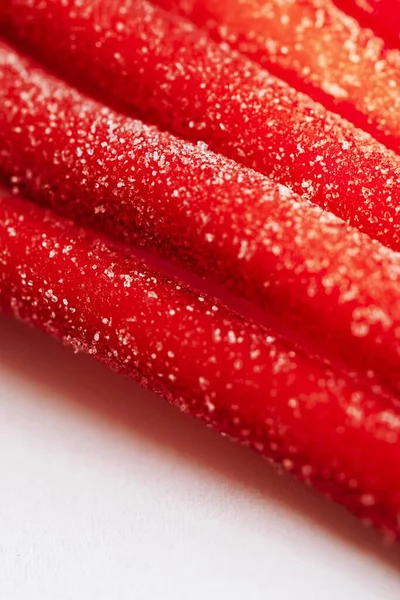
245,382
323,281
316,47
146,60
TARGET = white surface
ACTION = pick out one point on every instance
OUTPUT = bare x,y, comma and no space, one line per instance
108,493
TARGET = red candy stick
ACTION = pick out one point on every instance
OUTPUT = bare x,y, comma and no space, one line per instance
317,48
146,60
259,390
327,282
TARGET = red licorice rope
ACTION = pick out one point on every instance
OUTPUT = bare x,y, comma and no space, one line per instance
316,47
246,382
146,60
318,277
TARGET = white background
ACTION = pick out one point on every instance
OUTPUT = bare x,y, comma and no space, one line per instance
108,493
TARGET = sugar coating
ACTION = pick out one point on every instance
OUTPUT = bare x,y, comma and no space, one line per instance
245,381
316,275
156,64
318,48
